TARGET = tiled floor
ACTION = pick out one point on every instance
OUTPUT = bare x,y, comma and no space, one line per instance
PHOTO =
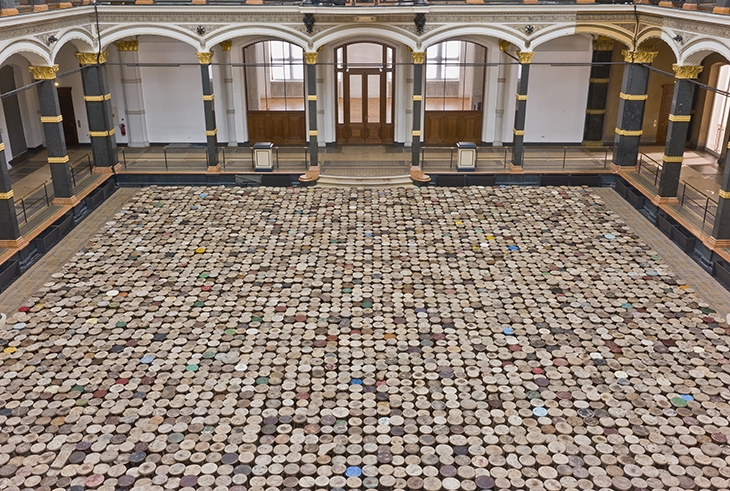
420,338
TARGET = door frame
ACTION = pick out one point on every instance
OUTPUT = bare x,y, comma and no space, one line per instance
386,131
66,101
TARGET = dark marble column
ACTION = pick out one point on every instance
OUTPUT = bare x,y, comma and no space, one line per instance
721,229
419,58
53,130
598,91
631,107
8,7
98,108
211,132
521,109
8,219
679,121
311,61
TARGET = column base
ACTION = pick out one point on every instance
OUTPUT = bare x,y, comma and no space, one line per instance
516,169
689,6
254,2
717,243
311,175
587,143
418,176
199,2
144,2
65,5
585,1
721,10
665,200
8,12
212,169
18,243
665,3
40,8
72,201
107,170
474,1
529,2
622,168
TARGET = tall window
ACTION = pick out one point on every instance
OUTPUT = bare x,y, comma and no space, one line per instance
443,61
286,61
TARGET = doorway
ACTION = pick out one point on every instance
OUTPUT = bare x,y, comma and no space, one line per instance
65,101
664,111
364,94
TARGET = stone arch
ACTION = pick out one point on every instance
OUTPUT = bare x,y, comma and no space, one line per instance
31,50
80,39
371,33
256,34
613,32
472,33
698,49
172,32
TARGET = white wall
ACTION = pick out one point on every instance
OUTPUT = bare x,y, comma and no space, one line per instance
116,89
557,95
67,62
173,96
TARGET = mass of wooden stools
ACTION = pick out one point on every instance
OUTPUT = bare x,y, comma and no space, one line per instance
271,339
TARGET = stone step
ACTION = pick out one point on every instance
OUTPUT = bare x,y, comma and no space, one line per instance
365,182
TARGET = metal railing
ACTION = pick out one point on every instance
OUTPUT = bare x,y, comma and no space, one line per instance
649,168
699,203
34,202
195,158
81,168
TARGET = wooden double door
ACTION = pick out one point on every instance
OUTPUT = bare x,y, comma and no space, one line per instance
364,107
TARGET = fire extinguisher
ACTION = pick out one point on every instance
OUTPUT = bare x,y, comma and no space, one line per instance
122,128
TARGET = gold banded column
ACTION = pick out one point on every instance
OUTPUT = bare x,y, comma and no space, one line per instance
98,108
598,91
9,230
53,131
518,150
211,132
721,228
631,107
419,58
310,59
679,121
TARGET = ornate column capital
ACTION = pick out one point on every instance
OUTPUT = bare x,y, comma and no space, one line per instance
205,57
44,72
525,56
603,43
127,45
638,56
504,45
687,71
91,58
226,45
310,57
419,57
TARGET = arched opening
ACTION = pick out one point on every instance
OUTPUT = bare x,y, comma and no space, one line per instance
12,112
274,81
454,96
719,110
364,74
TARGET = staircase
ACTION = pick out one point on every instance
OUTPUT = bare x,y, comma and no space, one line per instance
326,181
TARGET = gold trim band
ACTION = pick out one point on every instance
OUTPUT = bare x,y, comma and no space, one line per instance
673,158
211,132
51,119
102,134
621,132
2,147
97,98
58,160
7,195
728,145
415,133
680,119
599,80
417,97
518,132
312,97
521,97
595,111
209,97
313,133
633,97
724,194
